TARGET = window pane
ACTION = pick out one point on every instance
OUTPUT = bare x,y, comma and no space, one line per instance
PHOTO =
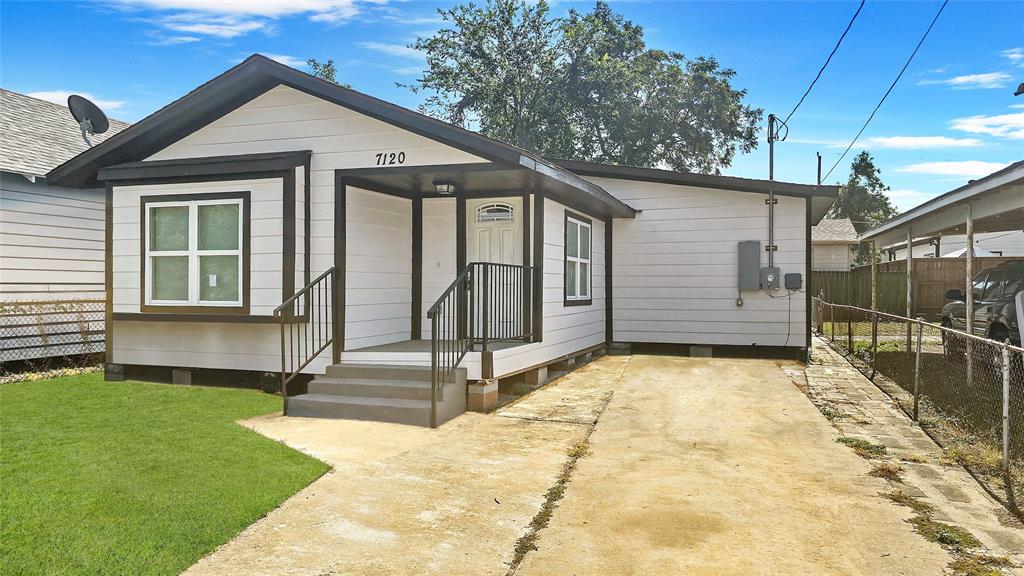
218,278
218,227
584,280
170,277
584,242
570,279
168,228
572,245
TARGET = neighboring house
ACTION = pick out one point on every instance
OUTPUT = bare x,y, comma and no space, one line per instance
832,242
992,243
51,237
266,182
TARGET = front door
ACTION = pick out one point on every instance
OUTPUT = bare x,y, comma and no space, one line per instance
495,231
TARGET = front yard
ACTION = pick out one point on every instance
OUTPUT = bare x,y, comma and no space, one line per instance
133,478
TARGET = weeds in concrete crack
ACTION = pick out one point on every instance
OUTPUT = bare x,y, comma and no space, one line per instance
890,471
864,448
528,541
954,539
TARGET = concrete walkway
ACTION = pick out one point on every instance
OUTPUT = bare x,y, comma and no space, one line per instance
695,466
716,466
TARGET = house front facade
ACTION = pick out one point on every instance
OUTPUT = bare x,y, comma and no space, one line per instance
270,221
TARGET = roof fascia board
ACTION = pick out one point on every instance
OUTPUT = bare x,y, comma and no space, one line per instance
616,208
212,166
699,180
1006,176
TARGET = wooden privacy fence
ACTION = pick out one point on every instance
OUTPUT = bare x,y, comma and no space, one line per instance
931,278
853,288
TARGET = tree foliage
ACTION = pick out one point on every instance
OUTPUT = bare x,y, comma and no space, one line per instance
325,71
583,87
862,199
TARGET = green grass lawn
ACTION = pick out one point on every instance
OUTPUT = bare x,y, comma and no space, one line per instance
133,478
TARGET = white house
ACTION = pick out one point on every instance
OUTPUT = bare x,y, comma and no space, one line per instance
1009,243
51,237
832,242
272,221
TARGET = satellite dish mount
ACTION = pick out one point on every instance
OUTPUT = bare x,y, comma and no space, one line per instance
91,120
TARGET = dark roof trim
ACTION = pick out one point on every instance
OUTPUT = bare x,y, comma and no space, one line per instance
209,166
702,180
258,74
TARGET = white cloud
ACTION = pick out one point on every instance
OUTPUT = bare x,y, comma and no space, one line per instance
972,168
921,142
172,40
1015,55
1016,105
61,97
392,49
408,70
968,81
1002,125
233,18
904,199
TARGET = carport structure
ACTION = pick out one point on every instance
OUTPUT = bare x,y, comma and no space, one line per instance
994,203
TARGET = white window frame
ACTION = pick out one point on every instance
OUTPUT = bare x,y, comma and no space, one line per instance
193,253
590,251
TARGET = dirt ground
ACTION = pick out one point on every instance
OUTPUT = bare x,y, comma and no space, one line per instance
695,466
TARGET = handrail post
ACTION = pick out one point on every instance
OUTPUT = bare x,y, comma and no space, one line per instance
284,374
917,368
486,304
832,315
849,332
434,371
336,343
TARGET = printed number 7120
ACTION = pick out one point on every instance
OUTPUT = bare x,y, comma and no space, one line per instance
390,158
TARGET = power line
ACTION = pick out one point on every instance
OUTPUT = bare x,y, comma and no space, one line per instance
825,65
891,86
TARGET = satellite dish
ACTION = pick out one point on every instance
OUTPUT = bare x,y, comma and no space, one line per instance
90,118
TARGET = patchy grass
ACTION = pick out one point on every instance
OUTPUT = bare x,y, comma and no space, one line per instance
956,540
133,478
578,450
980,457
914,459
864,448
832,414
952,537
888,470
979,565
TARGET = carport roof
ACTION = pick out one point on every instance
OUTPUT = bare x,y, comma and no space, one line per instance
997,202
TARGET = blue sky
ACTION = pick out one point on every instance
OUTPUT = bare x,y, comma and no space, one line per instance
952,117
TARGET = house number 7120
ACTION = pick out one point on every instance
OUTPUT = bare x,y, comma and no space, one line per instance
390,158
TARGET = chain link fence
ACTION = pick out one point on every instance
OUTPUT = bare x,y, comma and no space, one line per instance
966,392
41,336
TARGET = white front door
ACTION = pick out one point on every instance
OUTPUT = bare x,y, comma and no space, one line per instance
494,231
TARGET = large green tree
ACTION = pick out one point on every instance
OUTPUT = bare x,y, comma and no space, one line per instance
863,200
583,87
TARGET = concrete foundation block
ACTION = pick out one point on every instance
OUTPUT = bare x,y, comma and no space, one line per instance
562,365
181,376
113,372
537,377
482,396
700,351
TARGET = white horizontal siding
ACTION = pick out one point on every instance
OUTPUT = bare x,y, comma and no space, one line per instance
830,257
567,329
51,242
378,275
675,273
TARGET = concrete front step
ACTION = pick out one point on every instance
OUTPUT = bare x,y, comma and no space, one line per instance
398,410
370,388
380,372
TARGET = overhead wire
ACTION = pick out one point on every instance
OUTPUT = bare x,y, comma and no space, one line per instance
887,92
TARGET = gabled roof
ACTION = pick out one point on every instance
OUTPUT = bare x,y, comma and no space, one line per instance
39,135
257,74
834,231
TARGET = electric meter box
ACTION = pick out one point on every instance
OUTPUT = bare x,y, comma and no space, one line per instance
794,281
769,278
749,265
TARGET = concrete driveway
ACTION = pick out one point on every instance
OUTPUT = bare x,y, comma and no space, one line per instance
695,466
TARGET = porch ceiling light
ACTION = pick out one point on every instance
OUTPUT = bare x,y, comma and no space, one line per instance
445,187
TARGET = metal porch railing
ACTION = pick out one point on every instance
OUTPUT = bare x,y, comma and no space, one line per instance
308,320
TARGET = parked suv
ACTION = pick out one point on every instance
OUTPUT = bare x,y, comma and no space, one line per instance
995,314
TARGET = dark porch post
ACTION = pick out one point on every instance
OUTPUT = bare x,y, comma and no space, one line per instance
527,279
417,268
338,282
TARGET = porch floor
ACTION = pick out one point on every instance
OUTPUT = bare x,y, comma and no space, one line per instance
424,346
